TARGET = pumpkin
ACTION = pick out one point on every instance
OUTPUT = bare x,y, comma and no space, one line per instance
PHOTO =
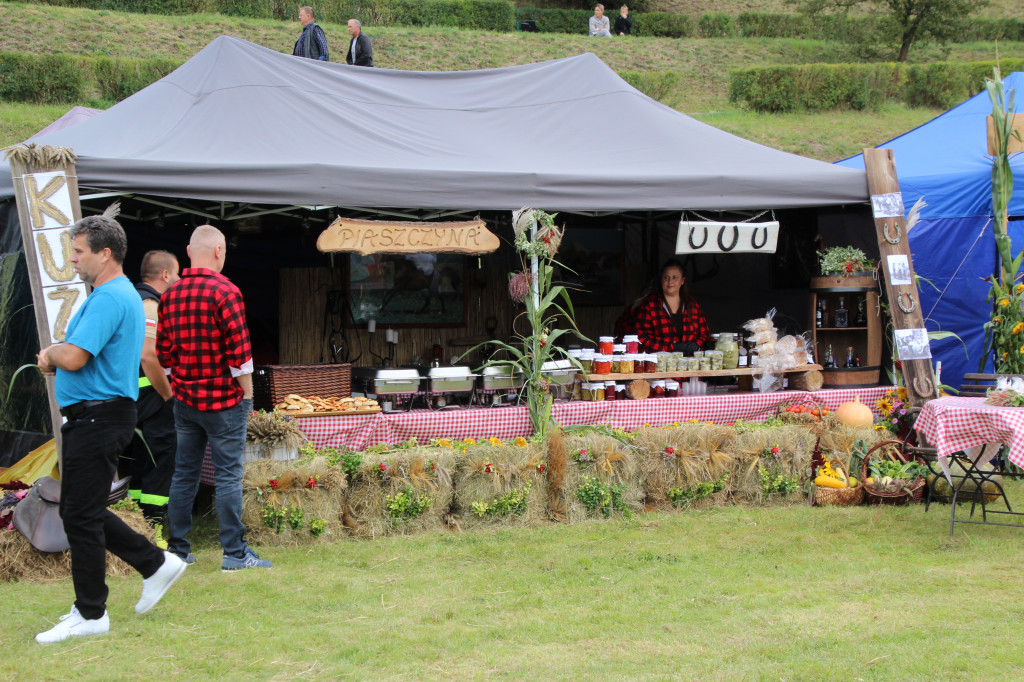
855,414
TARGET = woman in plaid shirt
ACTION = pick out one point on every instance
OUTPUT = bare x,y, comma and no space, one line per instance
671,320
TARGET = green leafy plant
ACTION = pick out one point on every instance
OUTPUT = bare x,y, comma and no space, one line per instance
295,517
274,517
513,502
317,527
682,496
1004,333
126,505
598,496
406,504
774,481
881,468
844,260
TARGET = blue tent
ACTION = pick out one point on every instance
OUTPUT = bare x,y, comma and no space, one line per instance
945,161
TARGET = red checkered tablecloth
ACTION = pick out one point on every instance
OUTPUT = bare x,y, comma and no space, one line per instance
359,432
952,424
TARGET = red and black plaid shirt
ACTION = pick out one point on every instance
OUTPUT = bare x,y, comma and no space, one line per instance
200,336
657,330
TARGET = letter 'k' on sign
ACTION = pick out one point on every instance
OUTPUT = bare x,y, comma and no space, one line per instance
39,201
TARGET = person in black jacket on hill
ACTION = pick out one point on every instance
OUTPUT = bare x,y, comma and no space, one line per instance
360,49
623,24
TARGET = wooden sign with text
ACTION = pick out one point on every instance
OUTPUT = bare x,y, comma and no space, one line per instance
372,236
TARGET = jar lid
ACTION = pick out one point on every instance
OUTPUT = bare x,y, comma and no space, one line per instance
619,348
609,383
575,352
587,354
672,385
606,339
658,382
630,337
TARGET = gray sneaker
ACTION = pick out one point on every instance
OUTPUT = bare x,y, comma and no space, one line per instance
250,560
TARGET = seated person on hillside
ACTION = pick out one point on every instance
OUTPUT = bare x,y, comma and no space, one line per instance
669,319
623,24
599,24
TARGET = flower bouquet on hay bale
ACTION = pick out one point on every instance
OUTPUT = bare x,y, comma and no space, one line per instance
293,503
676,462
401,490
598,477
771,462
501,484
21,561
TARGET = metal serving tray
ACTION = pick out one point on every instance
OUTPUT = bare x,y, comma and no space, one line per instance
501,377
451,379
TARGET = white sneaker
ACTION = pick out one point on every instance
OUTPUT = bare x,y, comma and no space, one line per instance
155,586
73,625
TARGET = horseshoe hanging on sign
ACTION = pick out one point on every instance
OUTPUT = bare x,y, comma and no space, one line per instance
924,387
908,308
701,245
885,232
753,238
735,238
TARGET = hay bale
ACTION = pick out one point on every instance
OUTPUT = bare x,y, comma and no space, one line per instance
262,504
611,462
699,453
751,452
21,561
416,473
490,474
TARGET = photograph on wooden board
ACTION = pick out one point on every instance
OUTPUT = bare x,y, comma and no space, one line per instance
912,344
887,205
593,270
899,270
423,289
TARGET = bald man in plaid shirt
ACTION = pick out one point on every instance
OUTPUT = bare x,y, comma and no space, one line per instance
202,339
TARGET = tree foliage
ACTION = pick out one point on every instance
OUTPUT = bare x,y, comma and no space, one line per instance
901,23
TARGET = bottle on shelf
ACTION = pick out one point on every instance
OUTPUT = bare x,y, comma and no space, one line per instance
830,360
819,317
849,358
823,307
841,317
856,362
862,316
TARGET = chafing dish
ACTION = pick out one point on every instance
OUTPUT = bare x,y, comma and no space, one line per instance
561,374
501,377
451,379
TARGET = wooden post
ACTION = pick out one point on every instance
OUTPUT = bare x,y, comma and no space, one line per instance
898,270
46,192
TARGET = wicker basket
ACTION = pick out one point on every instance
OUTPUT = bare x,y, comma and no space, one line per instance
272,383
912,493
838,497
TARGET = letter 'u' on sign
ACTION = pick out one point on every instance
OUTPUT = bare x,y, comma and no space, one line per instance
708,237
49,200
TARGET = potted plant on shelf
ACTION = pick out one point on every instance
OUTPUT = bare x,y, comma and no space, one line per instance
845,261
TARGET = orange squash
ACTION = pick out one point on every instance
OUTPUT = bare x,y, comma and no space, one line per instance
855,414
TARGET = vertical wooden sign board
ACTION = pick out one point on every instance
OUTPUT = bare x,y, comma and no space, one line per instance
46,191
898,270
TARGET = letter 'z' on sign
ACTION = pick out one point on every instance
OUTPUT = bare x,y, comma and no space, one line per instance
708,237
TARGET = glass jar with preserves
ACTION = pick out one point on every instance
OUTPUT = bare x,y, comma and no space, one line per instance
587,360
604,346
609,390
671,389
598,391
632,342
586,392
717,358
602,364
658,388
730,350
705,363
620,392
616,361
650,363
626,363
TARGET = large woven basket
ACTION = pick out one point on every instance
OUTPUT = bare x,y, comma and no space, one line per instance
913,493
838,497
273,382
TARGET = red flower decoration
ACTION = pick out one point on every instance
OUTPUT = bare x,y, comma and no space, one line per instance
775,450
547,240
849,267
541,468
311,482
543,343
383,466
488,469
669,450
899,365
273,483
583,451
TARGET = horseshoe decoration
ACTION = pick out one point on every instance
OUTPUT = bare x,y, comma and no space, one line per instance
701,245
909,307
885,232
735,238
753,238
924,387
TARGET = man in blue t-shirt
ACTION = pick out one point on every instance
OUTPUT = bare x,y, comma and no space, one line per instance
96,385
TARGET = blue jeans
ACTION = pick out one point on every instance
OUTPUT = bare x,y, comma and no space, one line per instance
225,432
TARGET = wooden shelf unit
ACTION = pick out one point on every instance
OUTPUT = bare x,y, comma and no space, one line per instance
866,340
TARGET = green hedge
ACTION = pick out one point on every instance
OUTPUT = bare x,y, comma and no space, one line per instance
655,84
67,79
491,15
833,27
816,87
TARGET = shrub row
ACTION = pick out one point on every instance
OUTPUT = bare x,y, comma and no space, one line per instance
492,15
67,79
831,27
817,87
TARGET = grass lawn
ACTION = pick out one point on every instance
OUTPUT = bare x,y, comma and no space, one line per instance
781,592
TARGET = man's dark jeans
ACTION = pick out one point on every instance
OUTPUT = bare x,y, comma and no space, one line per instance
225,432
91,445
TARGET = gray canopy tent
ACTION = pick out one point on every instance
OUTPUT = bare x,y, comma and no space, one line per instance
242,123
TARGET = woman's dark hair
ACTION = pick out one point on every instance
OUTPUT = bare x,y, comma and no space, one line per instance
654,286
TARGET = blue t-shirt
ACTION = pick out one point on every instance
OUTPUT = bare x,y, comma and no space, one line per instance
111,326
